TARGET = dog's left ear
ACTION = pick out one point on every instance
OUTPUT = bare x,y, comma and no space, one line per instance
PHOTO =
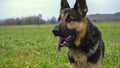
64,4
81,7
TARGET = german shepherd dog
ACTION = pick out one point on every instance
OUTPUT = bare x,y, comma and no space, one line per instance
79,35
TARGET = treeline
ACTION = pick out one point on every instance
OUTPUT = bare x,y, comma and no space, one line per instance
105,17
31,20
37,20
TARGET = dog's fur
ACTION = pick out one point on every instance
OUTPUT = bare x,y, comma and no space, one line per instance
85,47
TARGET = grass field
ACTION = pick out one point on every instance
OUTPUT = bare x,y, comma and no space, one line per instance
35,47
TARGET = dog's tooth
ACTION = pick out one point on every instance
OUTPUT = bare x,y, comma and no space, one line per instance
63,43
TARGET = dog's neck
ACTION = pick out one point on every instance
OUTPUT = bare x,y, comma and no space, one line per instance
82,34
87,38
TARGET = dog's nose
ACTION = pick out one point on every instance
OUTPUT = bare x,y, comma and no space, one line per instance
56,31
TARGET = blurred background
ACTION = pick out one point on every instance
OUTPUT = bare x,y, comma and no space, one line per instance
27,41
21,12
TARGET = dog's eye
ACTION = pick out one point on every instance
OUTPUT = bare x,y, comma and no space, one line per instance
68,19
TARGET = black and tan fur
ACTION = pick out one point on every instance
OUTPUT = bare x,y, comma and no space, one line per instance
86,49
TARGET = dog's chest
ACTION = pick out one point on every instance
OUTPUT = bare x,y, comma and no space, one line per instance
80,58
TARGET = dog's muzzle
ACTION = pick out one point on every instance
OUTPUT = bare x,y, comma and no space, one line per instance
66,37
56,31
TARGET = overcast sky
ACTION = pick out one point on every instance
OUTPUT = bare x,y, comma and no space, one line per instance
49,8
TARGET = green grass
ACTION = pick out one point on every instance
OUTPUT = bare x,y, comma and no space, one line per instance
35,47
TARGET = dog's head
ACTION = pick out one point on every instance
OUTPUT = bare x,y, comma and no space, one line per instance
72,26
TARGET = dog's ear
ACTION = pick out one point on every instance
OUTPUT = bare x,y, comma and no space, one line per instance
81,7
64,4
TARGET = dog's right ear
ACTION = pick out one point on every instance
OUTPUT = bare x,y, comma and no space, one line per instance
64,4
81,7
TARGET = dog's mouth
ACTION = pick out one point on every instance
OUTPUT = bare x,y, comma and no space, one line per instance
65,41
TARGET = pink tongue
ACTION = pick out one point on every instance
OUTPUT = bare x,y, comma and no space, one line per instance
58,45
